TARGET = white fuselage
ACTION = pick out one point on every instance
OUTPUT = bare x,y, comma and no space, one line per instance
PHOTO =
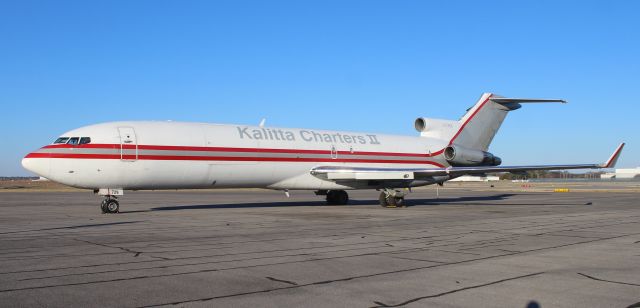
174,155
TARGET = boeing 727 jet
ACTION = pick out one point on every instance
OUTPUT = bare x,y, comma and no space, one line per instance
110,158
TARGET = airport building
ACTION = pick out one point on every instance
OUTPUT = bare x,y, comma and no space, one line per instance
630,173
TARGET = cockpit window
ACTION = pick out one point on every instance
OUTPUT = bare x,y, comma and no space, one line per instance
73,141
61,140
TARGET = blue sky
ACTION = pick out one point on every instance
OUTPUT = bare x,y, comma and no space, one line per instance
344,65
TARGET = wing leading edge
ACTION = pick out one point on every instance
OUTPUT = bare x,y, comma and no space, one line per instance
364,173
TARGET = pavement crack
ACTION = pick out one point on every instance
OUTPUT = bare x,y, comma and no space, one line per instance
381,304
509,251
416,259
73,227
135,253
200,263
462,252
282,280
159,257
610,281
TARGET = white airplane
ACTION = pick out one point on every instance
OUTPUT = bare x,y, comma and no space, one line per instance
112,157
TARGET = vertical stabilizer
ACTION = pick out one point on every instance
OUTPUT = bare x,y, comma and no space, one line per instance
481,123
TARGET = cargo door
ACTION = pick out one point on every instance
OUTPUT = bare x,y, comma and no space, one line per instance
128,144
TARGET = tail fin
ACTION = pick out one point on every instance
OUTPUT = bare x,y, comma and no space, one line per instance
482,121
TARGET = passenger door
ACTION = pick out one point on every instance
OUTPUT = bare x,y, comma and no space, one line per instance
128,144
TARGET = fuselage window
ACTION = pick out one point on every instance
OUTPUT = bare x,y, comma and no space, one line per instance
85,140
73,141
61,140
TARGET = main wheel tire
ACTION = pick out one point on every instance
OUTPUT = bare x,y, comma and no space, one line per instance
337,197
331,197
391,202
383,200
103,206
399,201
112,206
342,198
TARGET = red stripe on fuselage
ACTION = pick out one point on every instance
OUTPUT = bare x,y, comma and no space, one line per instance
227,158
231,149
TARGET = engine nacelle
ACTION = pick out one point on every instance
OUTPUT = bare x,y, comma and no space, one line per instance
460,156
428,125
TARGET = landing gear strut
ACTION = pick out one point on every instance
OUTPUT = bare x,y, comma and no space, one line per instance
110,205
337,197
390,198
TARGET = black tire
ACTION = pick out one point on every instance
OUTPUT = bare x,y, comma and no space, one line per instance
342,198
337,197
112,206
383,200
103,206
399,201
391,202
387,201
331,198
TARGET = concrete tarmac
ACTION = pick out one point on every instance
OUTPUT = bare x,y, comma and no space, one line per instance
258,248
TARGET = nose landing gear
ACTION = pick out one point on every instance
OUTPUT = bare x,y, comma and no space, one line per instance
110,205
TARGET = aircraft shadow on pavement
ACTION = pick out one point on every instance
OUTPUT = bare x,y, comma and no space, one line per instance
458,200
409,202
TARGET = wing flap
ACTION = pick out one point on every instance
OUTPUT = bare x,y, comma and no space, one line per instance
354,174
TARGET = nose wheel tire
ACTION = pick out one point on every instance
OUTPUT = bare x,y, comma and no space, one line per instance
337,197
110,206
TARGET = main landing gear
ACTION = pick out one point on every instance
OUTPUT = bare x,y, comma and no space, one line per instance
110,205
390,198
334,197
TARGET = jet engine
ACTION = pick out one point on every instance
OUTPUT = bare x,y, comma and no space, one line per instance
427,125
460,156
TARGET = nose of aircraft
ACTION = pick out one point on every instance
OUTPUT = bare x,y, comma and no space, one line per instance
39,166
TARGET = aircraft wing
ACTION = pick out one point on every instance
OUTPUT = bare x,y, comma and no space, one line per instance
337,173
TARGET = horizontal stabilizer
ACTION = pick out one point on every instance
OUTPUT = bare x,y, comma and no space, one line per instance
507,100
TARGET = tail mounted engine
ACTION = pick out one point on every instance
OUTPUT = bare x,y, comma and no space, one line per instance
460,156
436,128
425,124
